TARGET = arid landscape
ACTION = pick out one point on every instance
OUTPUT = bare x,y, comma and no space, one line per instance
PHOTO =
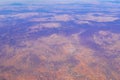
60,40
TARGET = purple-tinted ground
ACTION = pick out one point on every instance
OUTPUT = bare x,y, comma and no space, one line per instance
61,41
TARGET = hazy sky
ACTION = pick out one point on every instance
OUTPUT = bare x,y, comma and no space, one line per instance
56,1
49,1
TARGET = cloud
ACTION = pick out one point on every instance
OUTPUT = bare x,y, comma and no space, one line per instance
53,17
2,16
98,18
39,19
64,17
38,27
25,15
82,22
20,15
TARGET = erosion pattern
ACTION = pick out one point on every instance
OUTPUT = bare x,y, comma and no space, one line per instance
62,41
